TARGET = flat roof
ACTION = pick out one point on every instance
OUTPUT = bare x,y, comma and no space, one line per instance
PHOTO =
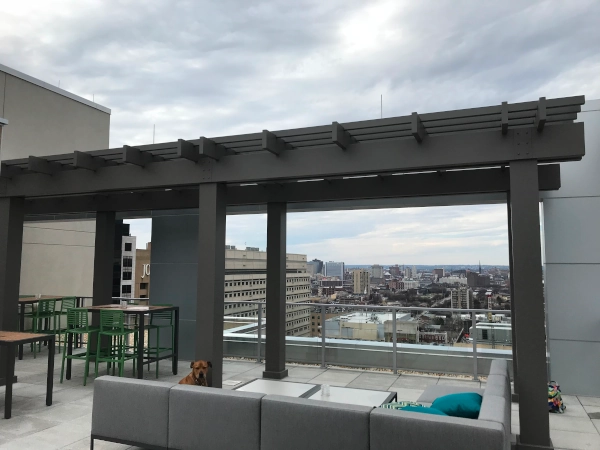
55,89
365,317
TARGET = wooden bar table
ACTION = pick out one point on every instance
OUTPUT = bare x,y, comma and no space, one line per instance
30,301
12,339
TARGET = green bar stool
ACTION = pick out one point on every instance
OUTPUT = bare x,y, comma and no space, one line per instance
158,321
60,326
112,325
43,315
78,325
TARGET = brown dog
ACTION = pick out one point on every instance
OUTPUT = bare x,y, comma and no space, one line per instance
197,377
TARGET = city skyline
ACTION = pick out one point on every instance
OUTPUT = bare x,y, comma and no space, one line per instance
444,235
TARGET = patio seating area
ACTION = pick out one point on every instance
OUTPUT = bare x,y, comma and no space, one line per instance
66,424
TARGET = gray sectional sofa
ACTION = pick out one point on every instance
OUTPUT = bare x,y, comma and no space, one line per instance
157,415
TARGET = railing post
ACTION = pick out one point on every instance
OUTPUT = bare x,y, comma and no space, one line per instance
474,337
394,343
259,334
323,317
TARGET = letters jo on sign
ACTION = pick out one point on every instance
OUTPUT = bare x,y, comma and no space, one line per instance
145,270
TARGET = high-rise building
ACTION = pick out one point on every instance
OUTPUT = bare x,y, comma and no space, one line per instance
142,272
439,273
462,298
377,271
408,272
361,281
314,267
414,271
128,260
477,280
334,269
395,270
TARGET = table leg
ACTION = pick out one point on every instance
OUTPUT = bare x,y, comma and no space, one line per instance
140,347
10,375
176,342
50,378
69,353
22,328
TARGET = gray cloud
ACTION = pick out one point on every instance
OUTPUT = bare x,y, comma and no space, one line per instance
214,68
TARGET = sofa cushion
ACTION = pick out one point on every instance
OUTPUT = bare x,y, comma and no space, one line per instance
299,424
463,404
498,385
406,430
497,409
131,410
423,410
499,367
204,417
439,390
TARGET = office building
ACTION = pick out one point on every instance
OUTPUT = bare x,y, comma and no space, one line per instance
439,273
361,281
315,267
58,255
142,272
475,280
128,266
395,271
462,298
377,271
335,269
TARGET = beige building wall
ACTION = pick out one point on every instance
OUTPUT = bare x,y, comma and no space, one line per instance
58,258
45,120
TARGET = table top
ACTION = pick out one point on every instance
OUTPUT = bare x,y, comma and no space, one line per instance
9,337
353,396
35,299
132,309
275,387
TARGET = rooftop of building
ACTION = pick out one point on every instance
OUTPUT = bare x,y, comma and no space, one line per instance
55,89
371,317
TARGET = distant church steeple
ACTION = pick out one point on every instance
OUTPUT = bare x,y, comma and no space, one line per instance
479,266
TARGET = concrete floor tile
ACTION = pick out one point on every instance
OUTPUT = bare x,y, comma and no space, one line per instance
575,424
414,382
24,425
406,395
575,441
336,377
589,401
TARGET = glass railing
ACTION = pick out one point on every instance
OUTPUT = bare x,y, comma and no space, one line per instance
440,340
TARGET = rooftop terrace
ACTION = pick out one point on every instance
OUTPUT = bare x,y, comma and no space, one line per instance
66,424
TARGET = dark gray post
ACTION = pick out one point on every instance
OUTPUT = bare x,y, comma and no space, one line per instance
11,244
512,304
211,279
104,254
529,296
276,292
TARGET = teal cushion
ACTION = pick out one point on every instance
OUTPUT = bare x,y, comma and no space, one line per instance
424,410
463,404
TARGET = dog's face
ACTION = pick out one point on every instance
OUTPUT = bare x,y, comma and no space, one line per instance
200,368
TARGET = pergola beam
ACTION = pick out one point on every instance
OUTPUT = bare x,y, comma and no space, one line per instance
410,185
340,136
136,157
41,165
272,143
82,160
417,129
540,118
461,150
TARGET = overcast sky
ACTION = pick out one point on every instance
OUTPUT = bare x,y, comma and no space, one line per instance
224,67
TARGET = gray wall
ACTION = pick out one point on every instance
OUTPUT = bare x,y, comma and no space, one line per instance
174,262
571,218
46,122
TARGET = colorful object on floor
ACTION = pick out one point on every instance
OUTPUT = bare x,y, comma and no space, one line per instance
555,402
400,405
463,404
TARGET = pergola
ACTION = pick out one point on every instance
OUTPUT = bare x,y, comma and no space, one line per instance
508,148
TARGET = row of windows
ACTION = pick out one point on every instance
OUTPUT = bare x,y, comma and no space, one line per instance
292,332
262,282
253,293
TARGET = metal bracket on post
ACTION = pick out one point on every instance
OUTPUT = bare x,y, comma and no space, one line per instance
259,335
394,343
474,337
323,317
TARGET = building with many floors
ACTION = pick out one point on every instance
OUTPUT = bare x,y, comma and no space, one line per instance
461,298
335,269
361,281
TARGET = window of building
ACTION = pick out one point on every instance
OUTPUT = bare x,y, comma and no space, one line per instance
126,289
143,296
484,334
126,275
143,285
127,246
127,261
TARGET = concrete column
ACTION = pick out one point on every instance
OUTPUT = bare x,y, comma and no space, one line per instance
529,297
211,279
11,245
104,254
512,304
276,291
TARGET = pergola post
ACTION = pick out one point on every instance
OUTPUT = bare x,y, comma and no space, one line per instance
104,258
11,244
528,294
512,304
276,291
211,279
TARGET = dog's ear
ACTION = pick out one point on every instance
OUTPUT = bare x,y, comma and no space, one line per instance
192,365
209,363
